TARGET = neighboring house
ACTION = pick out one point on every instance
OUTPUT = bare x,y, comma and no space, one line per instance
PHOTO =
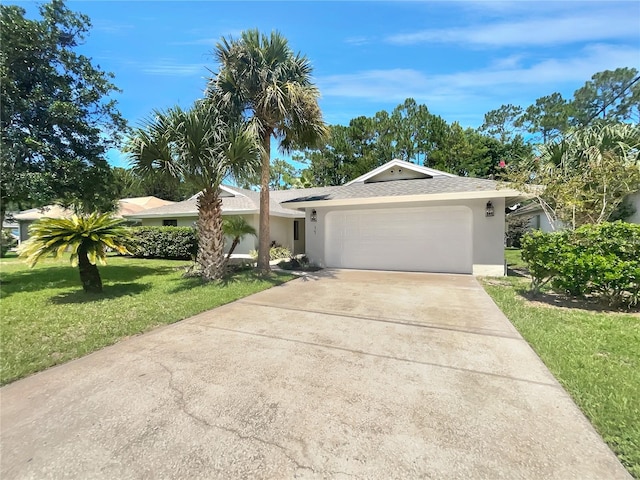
539,220
634,201
11,225
126,206
399,216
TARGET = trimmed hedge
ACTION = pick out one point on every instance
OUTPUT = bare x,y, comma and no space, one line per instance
599,260
174,243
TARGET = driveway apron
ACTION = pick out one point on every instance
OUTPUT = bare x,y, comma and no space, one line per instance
343,374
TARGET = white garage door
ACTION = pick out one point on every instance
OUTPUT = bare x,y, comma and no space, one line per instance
424,239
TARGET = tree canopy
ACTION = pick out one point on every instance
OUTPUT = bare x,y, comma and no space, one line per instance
411,133
611,96
57,116
204,147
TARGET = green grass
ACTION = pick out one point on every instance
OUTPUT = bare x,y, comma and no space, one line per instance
513,258
595,355
9,257
46,318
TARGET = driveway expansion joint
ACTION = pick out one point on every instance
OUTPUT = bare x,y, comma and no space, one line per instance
554,384
407,323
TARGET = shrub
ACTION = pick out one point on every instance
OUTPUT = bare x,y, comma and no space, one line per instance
300,262
601,260
278,252
517,226
613,250
540,251
7,241
174,243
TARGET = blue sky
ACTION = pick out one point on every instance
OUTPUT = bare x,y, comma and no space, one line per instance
459,58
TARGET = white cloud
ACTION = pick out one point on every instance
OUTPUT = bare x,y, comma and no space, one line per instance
173,69
592,25
113,27
210,41
499,80
357,41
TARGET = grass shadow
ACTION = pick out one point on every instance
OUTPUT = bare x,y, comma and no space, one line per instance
241,275
109,292
33,280
516,272
552,299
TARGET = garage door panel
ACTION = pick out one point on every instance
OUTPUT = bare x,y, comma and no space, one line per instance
434,239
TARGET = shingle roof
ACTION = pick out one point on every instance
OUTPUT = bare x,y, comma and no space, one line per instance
51,211
126,207
283,202
422,186
246,201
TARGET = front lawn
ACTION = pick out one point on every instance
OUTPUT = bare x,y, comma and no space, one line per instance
594,354
46,318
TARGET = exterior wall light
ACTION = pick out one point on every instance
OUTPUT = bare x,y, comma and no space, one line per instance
314,215
489,211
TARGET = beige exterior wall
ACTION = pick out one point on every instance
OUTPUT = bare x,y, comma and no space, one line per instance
281,230
488,232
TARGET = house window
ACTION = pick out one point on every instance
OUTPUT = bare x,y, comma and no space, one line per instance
170,223
296,230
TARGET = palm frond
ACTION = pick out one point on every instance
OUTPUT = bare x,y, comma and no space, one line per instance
57,236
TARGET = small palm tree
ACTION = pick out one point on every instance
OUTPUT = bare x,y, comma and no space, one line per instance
85,237
203,147
262,78
237,228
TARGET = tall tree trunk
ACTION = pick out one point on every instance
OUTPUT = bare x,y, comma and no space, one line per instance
210,236
2,215
89,274
264,240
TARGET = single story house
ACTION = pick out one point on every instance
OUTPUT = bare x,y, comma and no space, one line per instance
399,216
126,207
539,221
286,225
11,225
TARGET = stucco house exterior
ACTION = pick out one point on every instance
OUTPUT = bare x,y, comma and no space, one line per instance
126,207
399,216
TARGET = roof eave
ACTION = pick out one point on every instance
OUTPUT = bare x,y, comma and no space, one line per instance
431,197
293,214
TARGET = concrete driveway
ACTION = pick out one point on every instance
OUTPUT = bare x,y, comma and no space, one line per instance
347,374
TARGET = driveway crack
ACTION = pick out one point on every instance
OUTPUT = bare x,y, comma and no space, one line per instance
182,405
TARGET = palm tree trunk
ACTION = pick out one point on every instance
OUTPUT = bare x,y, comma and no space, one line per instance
234,244
210,237
89,274
264,240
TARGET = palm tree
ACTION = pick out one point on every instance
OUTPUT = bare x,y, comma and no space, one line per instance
204,148
586,175
261,77
237,228
86,237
